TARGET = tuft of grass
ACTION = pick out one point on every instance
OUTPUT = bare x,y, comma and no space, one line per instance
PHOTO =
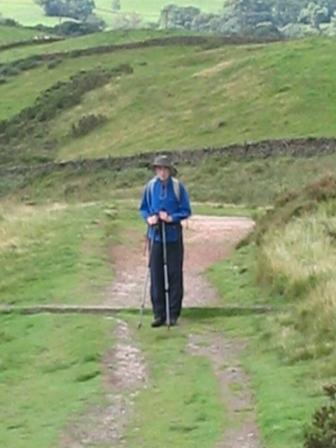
298,262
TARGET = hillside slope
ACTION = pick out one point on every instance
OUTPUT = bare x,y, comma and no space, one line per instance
180,95
9,34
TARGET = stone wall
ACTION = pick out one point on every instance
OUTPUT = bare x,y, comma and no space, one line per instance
260,150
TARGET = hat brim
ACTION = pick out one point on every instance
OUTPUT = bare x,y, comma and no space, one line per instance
171,168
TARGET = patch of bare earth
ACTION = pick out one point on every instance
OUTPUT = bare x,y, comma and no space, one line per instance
124,375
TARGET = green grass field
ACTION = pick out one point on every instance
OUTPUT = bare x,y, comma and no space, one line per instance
10,34
50,366
90,40
27,12
50,370
213,180
186,97
57,232
61,355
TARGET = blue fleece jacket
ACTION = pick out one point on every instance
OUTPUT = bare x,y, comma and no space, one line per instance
162,197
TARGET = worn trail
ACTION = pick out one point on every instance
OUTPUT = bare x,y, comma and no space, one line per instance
207,240
124,375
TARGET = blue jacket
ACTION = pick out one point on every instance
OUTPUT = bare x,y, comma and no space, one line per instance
161,197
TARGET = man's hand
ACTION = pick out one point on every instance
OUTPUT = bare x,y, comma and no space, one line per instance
152,220
165,217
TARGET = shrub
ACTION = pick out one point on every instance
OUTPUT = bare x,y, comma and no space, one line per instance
16,67
322,433
30,122
28,63
54,63
9,70
87,123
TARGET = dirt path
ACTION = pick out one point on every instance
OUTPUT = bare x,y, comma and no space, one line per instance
207,240
124,375
235,388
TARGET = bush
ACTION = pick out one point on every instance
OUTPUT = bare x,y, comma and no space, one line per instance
30,122
54,63
8,22
9,70
322,433
16,67
27,64
87,123
79,29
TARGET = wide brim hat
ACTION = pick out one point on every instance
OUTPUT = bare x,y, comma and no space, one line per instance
164,161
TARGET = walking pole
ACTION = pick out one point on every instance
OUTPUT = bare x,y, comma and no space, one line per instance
143,302
165,269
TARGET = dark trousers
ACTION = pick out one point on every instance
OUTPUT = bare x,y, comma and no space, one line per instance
175,275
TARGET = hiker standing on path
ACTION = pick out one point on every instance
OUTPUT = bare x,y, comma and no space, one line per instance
164,205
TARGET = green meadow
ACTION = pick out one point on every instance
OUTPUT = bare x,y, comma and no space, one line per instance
29,13
58,231
186,97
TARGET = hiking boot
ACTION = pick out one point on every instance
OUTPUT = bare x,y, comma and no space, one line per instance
158,322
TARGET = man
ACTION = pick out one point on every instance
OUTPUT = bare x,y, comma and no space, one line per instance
165,200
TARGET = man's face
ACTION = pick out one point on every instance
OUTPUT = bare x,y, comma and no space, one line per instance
162,172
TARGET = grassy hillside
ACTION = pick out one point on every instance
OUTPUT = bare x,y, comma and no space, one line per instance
9,34
183,97
90,40
213,180
57,247
297,261
28,13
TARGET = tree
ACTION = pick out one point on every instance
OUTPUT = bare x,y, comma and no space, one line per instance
248,13
76,9
174,16
314,14
287,11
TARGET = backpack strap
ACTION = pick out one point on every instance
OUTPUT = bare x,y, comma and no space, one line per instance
177,188
150,189
151,185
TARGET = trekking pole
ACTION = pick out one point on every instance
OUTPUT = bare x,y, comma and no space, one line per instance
165,269
143,302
